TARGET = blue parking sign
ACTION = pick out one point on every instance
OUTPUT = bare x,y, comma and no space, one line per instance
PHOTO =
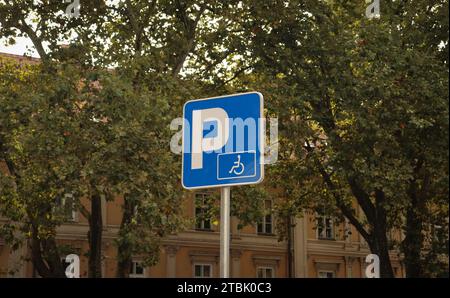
223,141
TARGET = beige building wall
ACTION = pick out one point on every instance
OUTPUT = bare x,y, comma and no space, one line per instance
342,256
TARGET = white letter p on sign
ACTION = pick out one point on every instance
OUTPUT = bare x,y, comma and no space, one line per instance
209,142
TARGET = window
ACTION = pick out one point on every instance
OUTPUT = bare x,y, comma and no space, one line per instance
65,206
265,272
202,270
137,270
325,227
266,225
326,274
437,231
202,221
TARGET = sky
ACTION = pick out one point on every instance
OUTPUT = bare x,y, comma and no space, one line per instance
21,43
19,48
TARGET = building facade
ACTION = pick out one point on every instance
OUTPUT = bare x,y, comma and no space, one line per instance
320,248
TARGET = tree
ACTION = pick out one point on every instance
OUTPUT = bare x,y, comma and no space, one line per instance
367,112
170,52
363,109
91,138
47,28
127,110
33,125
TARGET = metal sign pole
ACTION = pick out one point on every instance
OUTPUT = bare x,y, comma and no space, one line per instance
225,232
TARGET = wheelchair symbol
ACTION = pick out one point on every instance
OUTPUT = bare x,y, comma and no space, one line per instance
236,166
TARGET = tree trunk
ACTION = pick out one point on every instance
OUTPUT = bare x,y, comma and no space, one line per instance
53,258
380,245
290,249
124,248
95,237
412,244
375,214
46,267
36,258
124,267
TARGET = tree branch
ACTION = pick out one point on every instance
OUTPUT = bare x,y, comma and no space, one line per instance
239,72
9,163
85,212
346,210
37,42
190,30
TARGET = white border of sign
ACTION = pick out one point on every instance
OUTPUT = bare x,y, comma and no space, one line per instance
262,141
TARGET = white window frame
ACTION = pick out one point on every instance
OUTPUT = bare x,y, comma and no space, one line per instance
201,227
263,221
203,270
264,268
434,230
74,211
62,208
333,273
323,235
133,269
